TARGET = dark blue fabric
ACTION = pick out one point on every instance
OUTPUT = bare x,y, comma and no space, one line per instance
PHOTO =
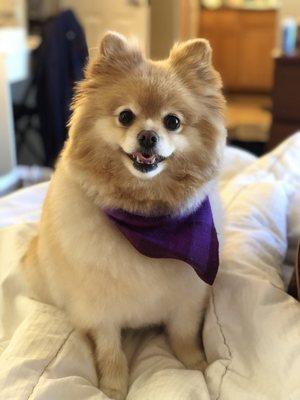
61,58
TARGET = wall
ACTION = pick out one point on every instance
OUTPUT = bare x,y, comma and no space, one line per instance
291,7
172,20
12,12
41,10
164,27
130,17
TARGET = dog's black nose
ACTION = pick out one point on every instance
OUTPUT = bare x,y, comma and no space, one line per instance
147,139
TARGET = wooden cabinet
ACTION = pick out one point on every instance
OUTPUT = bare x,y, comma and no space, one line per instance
242,43
286,99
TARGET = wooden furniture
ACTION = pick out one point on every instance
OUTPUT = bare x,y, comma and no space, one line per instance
242,43
286,99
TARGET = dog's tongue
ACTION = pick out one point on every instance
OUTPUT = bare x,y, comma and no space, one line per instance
144,158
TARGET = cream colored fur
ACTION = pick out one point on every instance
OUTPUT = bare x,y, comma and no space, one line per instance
82,264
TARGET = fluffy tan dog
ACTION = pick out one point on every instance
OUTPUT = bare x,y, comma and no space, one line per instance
145,137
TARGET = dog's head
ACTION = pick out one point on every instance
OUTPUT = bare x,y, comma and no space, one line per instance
145,136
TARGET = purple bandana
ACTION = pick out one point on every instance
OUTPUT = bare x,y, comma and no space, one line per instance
192,238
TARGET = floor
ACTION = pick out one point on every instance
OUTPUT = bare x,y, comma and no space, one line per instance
249,117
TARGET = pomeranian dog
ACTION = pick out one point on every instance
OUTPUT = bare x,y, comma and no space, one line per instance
119,238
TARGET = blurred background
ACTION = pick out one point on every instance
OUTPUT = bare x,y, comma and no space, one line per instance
44,45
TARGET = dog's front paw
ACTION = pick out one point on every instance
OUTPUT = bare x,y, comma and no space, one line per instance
115,389
196,363
193,360
114,393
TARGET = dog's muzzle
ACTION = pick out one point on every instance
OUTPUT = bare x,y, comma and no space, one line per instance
145,158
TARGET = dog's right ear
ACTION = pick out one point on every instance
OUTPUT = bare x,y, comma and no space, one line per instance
116,54
116,49
113,45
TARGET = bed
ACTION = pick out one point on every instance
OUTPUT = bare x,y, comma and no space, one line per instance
251,332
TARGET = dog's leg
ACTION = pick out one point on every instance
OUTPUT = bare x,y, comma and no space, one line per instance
184,336
112,362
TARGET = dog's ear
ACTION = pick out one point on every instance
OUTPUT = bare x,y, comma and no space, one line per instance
116,54
195,54
193,59
117,49
113,44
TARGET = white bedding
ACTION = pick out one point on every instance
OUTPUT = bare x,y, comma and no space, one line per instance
252,327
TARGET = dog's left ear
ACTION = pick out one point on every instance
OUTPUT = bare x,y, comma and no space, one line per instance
195,53
194,59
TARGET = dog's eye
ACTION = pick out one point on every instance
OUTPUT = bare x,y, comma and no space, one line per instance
171,122
126,117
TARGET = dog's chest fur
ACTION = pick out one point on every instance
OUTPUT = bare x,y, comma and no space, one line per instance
100,271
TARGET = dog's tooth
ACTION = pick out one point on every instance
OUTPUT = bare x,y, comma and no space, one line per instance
142,160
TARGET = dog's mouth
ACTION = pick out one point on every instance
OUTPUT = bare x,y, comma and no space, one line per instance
145,161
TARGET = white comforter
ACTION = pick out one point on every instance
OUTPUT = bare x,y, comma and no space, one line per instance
252,327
